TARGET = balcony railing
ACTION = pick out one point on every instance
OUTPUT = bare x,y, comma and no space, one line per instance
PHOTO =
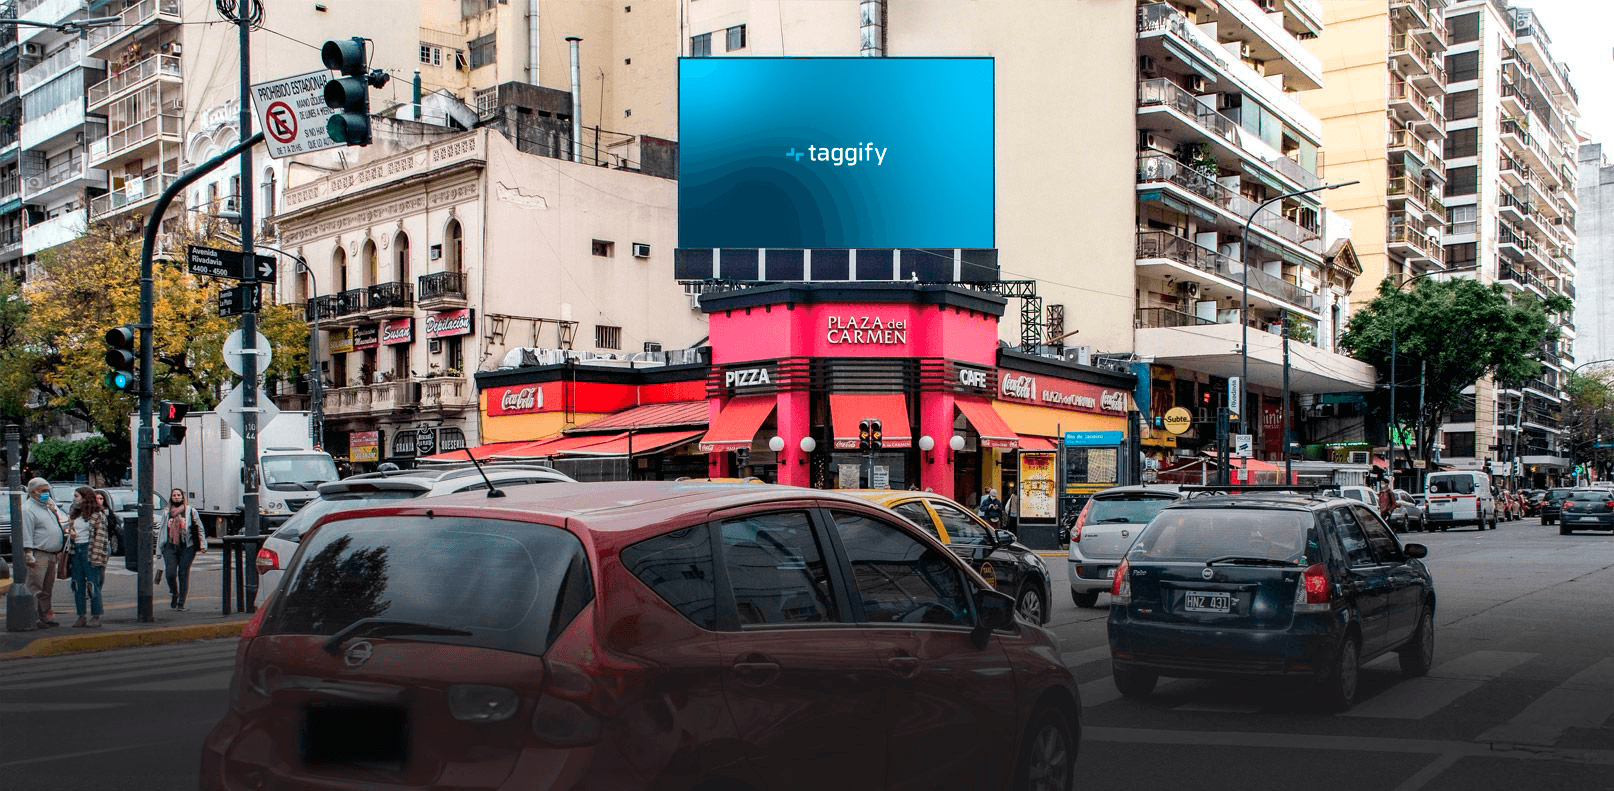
1507,235
1403,186
134,192
1157,318
391,395
1426,154
1161,16
134,135
1402,43
44,70
1157,168
133,17
165,65
1511,126
439,285
1160,244
321,308
391,295
350,302
1519,274
1523,206
1401,233
58,173
447,392
1158,92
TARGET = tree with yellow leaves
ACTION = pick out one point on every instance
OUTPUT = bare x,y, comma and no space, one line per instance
93,284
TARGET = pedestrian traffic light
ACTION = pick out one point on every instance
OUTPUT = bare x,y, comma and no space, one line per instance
349,95
171,422
120,359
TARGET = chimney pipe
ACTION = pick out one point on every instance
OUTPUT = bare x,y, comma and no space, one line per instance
871,32
577,102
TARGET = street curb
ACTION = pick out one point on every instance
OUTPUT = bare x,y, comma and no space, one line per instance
131,638
1053,554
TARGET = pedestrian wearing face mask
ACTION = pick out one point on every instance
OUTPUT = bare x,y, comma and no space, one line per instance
44,537
182,538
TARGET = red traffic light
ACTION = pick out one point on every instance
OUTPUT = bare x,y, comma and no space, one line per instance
172,411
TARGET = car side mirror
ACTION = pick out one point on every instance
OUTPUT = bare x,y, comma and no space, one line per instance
994,610
1004,538
1415,551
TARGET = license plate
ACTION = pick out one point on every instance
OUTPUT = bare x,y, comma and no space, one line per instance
1207,602
366,738
1109,573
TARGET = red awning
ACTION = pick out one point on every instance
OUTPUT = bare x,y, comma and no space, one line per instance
640,442
675,414
988,423
482,452
737,425
1037,443
552,447
1255,465
847,411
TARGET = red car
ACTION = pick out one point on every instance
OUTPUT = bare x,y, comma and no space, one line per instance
640,635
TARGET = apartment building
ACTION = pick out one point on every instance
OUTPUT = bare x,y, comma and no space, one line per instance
11,216
1511,205
1594,306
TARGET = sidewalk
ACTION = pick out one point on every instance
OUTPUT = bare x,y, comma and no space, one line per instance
120,627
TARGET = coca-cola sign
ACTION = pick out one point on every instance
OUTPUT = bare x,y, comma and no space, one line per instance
515,399
397,331
448,323
1048,391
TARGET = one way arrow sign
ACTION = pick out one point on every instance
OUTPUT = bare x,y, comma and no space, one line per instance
228,263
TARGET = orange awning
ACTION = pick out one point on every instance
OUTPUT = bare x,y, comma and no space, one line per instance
552,447
639,443
847,411
1037,443
987,422
675,414
736,426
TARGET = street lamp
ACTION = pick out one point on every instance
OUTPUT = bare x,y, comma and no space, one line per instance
1244,313
1395,332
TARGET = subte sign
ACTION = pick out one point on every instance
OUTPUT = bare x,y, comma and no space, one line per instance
292,113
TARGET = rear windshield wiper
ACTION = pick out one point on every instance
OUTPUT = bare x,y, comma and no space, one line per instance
1243,560
388,626
1115,519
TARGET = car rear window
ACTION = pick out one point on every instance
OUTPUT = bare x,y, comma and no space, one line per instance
1135,509
1590,496
299,523
1458,485
1560,494
1201,534
509,586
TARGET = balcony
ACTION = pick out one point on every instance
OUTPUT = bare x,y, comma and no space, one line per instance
1196,117
1156,318
48,69
1513,171
392,397
1413,108
135,193
1514,101
131,139
10,242
1514,208
347,401
390,300
1160,245
1511,242
1283,54
100,40
345,308
57,230
60,180
447,394
440,290
1412,243
320,308
1401,186
157,66
1415,61
1405,141
1161,169
1165,93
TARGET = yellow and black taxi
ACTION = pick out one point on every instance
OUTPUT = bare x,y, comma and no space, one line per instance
1008,565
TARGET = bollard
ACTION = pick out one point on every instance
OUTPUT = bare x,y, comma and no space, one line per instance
240,560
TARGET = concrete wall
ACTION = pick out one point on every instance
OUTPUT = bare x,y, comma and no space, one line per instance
1594,305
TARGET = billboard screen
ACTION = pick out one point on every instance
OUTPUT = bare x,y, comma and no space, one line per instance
835,153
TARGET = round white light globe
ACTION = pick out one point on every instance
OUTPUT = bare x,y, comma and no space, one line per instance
776,444
808,445
956,443
926,443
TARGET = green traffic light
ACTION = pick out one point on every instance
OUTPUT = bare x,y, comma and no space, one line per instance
336,129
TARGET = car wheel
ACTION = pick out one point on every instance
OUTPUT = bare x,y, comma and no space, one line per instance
1419,654
1338,690
1048,756
1564,530
1544,521
1134,683
1030,603
114,543
1088,599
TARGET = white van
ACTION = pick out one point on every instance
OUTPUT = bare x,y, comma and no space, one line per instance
1460,498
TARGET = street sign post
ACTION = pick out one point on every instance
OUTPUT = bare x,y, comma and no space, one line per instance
240,299
233,414
1244,445
209,262
293,114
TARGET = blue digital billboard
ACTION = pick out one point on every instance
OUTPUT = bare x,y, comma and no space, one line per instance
835,152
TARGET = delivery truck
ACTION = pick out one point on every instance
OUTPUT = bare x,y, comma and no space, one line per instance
207,467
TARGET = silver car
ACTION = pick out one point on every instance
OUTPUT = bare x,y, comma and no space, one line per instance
1104,532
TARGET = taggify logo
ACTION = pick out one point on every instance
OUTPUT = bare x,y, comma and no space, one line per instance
863,152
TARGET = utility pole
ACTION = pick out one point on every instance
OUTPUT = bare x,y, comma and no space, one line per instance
245,13
1423,447
1288,462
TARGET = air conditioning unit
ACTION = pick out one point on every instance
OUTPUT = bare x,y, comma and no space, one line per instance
1188,289
1360,457
32,49
34,183
1245,51
1081,355
1146,66
1196,83
641,250
1147,141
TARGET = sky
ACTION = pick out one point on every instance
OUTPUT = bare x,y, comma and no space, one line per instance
1582,35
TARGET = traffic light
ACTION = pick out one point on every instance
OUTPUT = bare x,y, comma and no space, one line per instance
171,425
876,436
868,435
120,359
349,95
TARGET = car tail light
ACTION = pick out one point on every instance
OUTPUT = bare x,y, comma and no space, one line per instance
1311,595
249,632
1569,505
1121,587
1081,519
267,561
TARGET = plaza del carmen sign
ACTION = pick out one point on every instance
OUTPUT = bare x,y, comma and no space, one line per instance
865,330
515,400
1061,394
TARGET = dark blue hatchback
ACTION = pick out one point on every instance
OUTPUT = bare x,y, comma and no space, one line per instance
1269,584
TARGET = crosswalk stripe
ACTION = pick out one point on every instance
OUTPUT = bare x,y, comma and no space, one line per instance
1099,692
26,670
1583,701
1417,698
98,676
190,683
1084,656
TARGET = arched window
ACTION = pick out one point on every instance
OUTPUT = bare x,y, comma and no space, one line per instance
339,270
371,268
455,244
400,249
267,204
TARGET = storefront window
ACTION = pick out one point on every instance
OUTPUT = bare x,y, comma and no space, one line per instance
852,471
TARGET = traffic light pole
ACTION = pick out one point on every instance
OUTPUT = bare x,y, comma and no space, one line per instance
249,319
145,443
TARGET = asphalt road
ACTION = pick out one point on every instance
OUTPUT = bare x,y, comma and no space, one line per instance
1521,697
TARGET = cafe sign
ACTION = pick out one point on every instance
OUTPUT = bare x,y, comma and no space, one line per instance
515,400
448,323
1062,394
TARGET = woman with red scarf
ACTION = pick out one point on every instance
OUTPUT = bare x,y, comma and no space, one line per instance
182,538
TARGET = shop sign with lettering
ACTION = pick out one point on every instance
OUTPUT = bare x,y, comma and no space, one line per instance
974,378
448,323
397,331
366,336
450,439
515,400
1062,394
865,331
403,444
339,341
364,446
741,378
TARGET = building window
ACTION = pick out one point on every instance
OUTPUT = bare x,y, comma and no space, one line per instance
604,249
1462,143
736,37
1463,28
1463,66
484,51
431,55
607,337
1459,444
1462,181
400,247
487,102
456,247
1461,255
700,46
1463,104
266,207
1462,219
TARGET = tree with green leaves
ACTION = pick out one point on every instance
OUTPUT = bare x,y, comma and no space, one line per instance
1455,332
1589,418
